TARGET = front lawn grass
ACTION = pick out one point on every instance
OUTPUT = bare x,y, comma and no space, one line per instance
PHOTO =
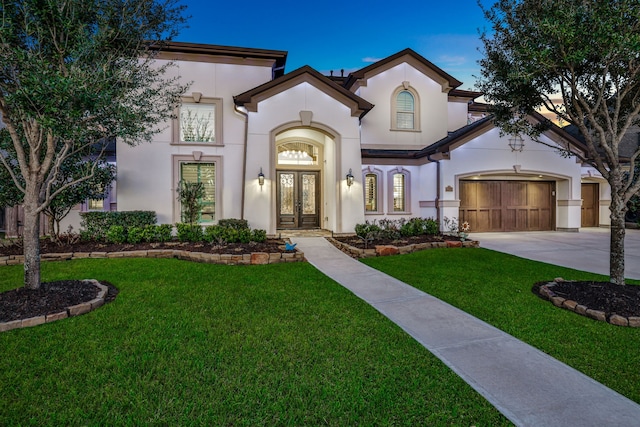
496,288
202,344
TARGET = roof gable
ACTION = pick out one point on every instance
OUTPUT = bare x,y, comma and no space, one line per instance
409,56
250,99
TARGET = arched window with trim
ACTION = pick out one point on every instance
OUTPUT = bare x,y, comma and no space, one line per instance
405,114
405,106
372,186
399,191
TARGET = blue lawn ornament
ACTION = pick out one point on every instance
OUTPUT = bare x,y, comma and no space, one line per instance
289,246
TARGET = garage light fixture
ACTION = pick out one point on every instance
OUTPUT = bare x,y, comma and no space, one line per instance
516,143
261,178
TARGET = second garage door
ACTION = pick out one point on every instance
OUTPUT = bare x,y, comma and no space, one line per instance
507,205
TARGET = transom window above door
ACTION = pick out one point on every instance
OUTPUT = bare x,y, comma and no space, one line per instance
297,153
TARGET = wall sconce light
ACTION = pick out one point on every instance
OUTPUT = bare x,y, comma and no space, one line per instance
349,178
516,143
261,178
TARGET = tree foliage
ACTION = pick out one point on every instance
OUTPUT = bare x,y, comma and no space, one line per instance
190,195
585,52
74,73
73,169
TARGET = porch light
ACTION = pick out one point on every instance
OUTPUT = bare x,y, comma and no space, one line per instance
261,178
349,178
516,143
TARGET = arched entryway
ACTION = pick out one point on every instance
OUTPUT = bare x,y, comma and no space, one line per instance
302,177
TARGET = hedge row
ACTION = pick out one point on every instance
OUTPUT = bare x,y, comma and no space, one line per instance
394,229
95,225
140,226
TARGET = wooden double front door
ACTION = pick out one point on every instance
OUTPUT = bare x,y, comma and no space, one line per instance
508,205
298,199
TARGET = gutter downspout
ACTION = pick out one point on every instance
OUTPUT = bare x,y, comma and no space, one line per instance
437,186
244,156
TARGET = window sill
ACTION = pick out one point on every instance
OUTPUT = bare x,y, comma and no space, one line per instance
406,130
399,213
198,144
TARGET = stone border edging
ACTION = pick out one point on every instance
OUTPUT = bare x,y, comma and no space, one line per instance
384,250
546,291
254,258
74,310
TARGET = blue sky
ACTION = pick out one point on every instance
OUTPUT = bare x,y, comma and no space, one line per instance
346,35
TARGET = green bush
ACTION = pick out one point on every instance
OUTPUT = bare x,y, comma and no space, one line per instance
259,235
367,230
163,232
244,235
214,234
233,231
116,234
238,224
135,234
420,226
230,235
189,233
94,225
149,233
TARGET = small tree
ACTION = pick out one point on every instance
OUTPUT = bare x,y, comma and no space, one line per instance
588,53
73,169
73,74
95,188
190,195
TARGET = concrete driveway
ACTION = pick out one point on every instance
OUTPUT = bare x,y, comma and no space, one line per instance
587,250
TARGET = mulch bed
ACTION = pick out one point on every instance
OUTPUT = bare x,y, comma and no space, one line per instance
51,298
601,296
357,242
46,246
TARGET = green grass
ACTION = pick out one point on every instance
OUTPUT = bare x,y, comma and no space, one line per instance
202,344
497,289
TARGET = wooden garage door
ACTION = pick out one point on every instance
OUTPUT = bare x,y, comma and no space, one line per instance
507,205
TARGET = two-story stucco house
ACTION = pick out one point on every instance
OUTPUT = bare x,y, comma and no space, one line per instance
304,150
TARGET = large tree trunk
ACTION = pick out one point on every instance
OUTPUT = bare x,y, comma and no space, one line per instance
31,242
616,262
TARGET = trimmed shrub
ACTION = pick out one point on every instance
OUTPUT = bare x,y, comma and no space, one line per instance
163,232
420,226
259,235
189,233
136,234
238,224
96,224
116,234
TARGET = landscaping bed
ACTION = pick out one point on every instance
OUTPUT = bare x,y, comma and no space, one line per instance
267,252
359,248
602,301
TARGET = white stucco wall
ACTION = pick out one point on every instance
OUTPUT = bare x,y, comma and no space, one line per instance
458,111
145,172
333,128
376,124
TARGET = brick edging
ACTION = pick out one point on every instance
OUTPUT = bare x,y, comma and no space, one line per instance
74,310
546,291
254,258
394,250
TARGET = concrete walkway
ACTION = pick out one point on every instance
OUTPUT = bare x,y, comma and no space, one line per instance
526,385
587,250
